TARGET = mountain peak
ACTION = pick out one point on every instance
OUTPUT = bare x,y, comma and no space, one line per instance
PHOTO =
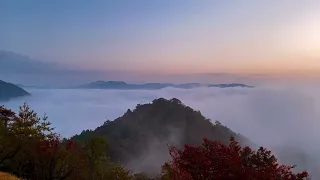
140,137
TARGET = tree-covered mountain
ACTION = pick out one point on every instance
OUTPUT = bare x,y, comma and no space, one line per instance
152,86
30,149
140,138
9,91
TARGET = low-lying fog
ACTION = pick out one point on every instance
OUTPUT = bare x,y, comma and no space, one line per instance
268,116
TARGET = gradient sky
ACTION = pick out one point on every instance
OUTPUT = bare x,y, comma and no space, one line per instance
167,36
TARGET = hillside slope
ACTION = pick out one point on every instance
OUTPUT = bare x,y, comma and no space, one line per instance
9,91
140,137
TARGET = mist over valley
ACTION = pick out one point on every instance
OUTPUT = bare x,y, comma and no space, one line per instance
271,117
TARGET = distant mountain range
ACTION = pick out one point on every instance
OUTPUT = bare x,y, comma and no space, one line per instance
230,85
26,70
152,86
9,91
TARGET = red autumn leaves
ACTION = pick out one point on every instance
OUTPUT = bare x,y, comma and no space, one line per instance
213,160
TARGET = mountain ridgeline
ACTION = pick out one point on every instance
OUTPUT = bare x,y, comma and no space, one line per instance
153,86
140,138
9,91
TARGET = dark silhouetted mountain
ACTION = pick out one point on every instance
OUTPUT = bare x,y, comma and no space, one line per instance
187,85
230,85
140,137
151,86
9,91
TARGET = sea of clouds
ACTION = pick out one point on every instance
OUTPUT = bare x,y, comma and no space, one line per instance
269,116
274,117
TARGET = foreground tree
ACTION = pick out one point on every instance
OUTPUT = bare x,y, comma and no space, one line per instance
213,160
17,131
31,150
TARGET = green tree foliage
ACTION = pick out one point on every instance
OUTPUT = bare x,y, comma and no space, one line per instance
20,131
31,150
95,149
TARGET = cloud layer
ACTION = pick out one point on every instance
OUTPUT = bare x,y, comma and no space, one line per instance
268,116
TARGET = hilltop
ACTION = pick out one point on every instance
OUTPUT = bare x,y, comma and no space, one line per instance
9,91
140,138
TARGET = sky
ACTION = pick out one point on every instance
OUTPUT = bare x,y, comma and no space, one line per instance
167,36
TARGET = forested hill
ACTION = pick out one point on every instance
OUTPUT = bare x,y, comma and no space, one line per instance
140,137
9,91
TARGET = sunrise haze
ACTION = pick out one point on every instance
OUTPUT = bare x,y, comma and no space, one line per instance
167,37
